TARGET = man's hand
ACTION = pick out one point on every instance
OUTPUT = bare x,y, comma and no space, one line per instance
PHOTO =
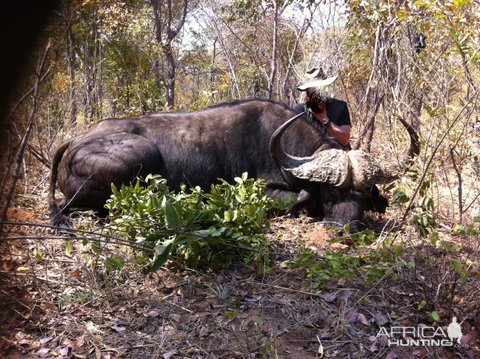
321,114
340,133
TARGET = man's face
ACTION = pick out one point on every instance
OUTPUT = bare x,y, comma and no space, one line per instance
314,100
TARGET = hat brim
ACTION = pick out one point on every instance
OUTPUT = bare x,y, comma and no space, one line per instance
317,83
314,73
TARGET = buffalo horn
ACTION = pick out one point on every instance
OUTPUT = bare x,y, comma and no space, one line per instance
356,169
366,171
324,166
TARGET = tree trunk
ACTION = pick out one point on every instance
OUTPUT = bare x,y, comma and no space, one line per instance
71,59
171,74
165,32
273,62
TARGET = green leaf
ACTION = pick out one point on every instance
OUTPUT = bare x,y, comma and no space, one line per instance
434,237
435,316
118,262
398,250
457,265
69,248
37,253
162,257
227,216
402,14
96,247
172,215
238,180
114,261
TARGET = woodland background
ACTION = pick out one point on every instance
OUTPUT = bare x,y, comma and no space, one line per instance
103,59
100,59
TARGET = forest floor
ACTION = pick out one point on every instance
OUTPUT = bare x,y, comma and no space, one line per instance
57,303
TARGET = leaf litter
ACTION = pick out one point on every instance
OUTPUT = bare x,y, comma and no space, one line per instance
70,309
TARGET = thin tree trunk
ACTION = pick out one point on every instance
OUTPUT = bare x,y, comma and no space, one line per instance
212,68
165,33
171,74
100,81
71,59
86,74
273,61
93,84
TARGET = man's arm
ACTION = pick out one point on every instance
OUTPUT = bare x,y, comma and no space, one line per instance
340,133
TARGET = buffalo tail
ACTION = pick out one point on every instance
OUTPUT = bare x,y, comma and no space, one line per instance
57,216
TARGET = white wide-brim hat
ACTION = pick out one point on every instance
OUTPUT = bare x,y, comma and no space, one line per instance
316,78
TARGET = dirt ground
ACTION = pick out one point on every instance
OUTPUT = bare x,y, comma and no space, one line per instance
60,305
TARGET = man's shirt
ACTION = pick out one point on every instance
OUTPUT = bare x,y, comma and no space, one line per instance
337,111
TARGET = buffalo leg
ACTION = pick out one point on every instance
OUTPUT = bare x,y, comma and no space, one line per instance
305,200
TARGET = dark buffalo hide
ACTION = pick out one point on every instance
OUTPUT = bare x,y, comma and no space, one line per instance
196,148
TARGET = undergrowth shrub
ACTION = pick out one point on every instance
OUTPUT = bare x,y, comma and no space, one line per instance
196,228
439,274
360,261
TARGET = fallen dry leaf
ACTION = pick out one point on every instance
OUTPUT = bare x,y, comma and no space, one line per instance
64,352
20,214
363,319
381,319
345,294
118,328
42,353
80,342
420,352
169,354
329,297
24,341
91,327
469,338
76,273
45,340
154,313
392,355
352,317
175,317
203,331
338,246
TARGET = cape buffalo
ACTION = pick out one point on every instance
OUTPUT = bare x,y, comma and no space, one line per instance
197,148
340,185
